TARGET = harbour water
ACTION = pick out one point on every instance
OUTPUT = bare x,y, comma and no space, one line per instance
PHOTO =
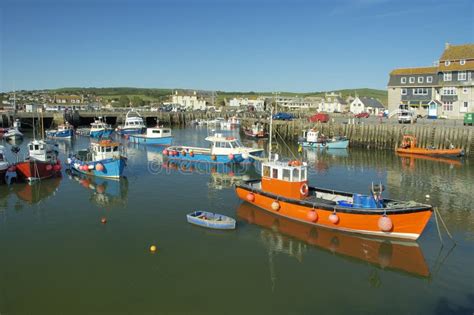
57,257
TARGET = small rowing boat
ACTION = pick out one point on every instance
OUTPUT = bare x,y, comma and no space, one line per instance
409,147
211,220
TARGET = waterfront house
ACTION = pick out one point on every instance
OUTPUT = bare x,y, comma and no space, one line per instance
332,102
366,105
257,103
189,100
295,103
444,89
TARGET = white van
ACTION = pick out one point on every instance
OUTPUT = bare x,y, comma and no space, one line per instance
406,117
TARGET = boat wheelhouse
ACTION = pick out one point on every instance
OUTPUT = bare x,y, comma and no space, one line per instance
312,138
283,190
103,159
41,163
64,131
133,124
222,150
13,134
100,129
156,135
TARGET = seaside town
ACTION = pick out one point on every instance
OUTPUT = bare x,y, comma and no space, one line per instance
186,199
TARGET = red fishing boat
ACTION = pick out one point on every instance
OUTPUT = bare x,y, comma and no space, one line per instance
41,163
283,190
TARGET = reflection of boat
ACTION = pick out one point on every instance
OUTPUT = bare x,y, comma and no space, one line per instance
397,255
133,124
156,135
35,192
105,192
103,159
223,150
409,147
283,190
413,157
312,139
211,220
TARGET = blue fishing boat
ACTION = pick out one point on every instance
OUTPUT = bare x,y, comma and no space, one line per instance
133,124
223,150
103,159
100,129
312,139
211,220
65,131
156,135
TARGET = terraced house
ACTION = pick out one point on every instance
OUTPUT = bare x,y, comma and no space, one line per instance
443,90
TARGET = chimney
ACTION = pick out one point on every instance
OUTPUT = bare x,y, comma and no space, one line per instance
446,45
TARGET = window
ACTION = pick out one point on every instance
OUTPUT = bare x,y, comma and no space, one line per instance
462,75
296,174
286,174
448,90
404,91
429,79
266,171
275,173
303,174
403,80
420,91
412,79
463,108
462,62
108,149
157,131
420,79
465,90
447,76
447,63
448,106
115,149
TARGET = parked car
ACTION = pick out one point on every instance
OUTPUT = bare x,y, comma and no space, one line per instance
319,117
406,117
282,116
362,115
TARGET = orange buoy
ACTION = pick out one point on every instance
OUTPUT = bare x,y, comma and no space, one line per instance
103,220
49,167
213,157
165,152
276,205
333,218
385,223
250,197
231,156
191,154
99,167
183,153
312,215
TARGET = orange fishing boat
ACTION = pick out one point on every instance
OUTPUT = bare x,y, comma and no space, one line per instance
403,256
409,146
283,190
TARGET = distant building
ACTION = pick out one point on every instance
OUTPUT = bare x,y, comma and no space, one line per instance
68,99
445,89
333,102
257,103
189,100
295,103
366,105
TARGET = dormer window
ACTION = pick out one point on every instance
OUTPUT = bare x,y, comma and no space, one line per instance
448,76
420,79
462,62
412,79
447,63
429,79
403,80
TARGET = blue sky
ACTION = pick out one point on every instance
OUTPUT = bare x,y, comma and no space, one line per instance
234,45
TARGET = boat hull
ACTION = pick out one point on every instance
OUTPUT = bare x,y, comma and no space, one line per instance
256,135
142,139
432,152
338,144
207,157
101,133
407,223
65,134
113,168
32,170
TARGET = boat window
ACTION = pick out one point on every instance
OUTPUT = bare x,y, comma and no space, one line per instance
108,149
286,174
266,171
275,173
296,174
228,145
115,149
36,147
166,131
156,131
31,147
303,174
236,144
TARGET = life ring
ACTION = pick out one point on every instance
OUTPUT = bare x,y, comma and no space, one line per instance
304,189
295,163
230,138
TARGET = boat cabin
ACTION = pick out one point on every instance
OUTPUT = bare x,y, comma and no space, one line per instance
42,151
99,125
105,149
132,122
158,132
408,142
311,135
223,145
288,179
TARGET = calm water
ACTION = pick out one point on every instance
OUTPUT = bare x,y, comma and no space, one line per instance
56,256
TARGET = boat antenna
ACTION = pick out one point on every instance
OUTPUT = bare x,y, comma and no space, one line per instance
270,134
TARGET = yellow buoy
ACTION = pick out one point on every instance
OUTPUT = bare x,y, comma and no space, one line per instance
152,248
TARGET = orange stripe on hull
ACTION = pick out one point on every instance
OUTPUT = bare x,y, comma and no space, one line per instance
408,225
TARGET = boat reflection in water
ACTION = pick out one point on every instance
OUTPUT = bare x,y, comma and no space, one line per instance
409,160
397,255
105,192
34,192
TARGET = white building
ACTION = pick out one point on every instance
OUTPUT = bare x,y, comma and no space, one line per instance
295,103
189,100
332,102
257,103
366,105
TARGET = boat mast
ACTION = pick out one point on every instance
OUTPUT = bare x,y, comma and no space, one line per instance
270,134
